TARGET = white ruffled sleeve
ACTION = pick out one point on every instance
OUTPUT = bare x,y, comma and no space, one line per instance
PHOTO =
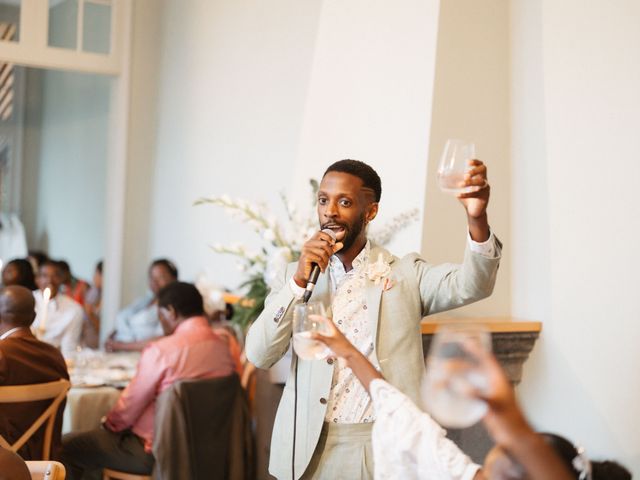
407,443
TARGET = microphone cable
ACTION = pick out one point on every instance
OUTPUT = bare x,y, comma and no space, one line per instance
295,413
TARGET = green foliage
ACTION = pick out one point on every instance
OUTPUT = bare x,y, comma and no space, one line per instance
248,309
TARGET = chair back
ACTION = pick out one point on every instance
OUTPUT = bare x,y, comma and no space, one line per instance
46,470
202,431
54,391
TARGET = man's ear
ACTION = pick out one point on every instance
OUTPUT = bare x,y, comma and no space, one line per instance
372,211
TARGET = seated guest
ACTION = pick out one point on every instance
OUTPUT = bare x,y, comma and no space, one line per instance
189,351
12,467
93,302
71,286
19,272
61,326
137,324
25,360
408,443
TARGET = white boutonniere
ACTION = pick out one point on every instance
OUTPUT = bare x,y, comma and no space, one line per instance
379,269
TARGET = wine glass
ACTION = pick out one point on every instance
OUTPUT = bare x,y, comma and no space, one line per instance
453,372
307,320
453,166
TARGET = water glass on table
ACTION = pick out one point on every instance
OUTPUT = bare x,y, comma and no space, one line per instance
454,164
307,319
454,373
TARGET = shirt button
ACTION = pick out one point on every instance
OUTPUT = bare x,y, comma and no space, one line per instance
330,361
323,401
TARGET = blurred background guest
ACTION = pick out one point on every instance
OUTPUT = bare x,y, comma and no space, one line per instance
138,324
73,287
92,304
25,360
58,320
19,272
191,350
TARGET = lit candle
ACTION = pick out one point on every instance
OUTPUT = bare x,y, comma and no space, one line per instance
46,296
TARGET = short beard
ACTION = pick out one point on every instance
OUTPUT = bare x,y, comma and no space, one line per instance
353,233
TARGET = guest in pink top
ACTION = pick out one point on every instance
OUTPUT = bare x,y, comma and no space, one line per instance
190,350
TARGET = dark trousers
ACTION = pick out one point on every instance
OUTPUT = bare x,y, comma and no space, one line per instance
85,454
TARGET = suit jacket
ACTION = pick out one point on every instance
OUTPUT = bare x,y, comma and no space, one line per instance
203,443
417,289
25,360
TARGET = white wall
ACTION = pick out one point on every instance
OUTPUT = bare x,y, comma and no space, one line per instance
64,191
471,101
369,98
233,81
576,117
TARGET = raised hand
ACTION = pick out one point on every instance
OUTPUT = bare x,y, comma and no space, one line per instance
475,202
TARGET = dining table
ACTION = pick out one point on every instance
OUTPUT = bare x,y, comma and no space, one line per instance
97,379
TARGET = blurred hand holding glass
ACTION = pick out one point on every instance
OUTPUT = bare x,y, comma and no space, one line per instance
454,164
307,319
454,373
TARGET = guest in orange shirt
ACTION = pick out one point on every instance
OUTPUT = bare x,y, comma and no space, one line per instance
191,350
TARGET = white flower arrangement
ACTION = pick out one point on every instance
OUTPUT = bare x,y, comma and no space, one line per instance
282,243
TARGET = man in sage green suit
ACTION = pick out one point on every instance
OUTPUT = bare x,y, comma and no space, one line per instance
392,295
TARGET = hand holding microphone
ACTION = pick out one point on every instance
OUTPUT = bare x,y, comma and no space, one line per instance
316,252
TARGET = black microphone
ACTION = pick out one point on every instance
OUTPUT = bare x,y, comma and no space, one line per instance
315,271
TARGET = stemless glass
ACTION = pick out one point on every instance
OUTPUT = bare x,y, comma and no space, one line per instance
305,322
453,372
454,163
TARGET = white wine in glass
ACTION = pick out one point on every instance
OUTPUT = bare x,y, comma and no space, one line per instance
305,322
452,371
453,166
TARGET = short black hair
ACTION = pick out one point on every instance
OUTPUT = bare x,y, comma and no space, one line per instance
99,266
183,297
370,178
26,277
166,263
64,266
52,263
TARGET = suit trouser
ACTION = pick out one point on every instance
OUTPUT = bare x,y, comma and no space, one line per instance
343,453
85,454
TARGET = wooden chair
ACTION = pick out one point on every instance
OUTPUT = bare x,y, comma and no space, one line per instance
46,470
108,474
248,382
56,391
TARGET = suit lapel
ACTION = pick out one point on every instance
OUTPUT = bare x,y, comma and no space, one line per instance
374,292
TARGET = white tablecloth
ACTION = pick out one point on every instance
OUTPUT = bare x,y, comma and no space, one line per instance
94,378
86,406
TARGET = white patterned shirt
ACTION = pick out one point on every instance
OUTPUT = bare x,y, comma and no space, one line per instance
348,400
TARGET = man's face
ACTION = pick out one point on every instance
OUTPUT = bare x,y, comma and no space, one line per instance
345,206
159,277
49,276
